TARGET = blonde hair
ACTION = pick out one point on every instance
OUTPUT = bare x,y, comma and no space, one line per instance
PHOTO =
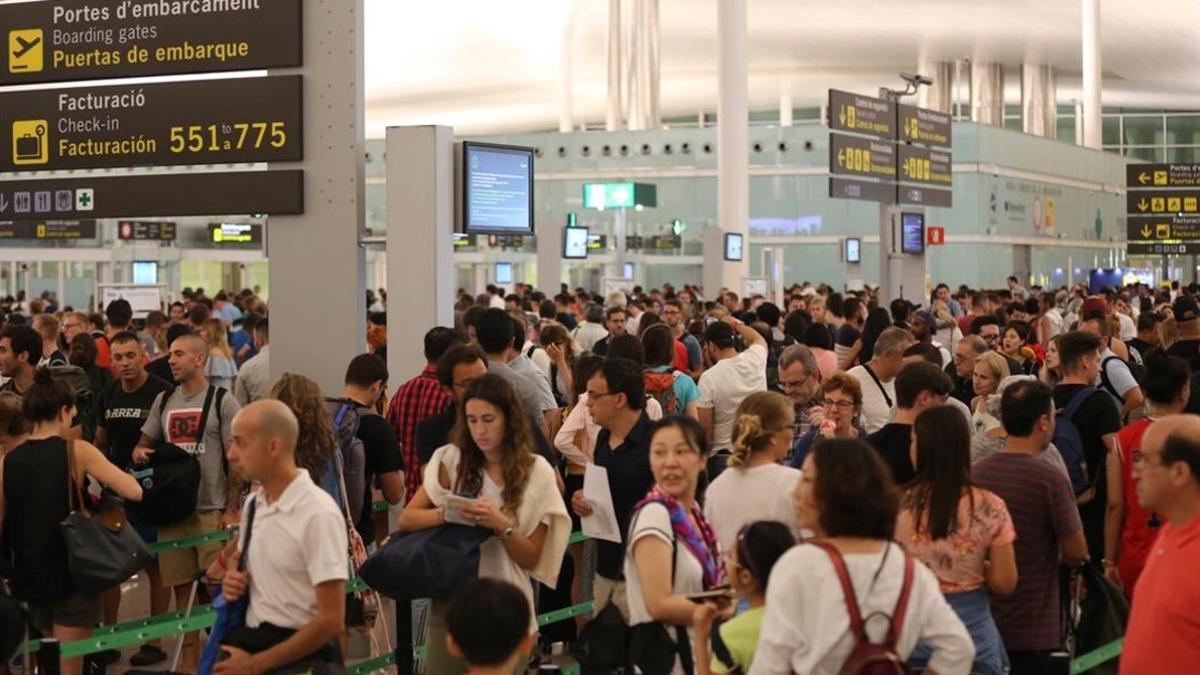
998,365
217,338
760,416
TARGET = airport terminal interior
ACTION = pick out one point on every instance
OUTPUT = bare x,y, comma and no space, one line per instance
599,336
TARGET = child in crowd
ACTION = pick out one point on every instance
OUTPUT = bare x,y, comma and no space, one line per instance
748,564
488,624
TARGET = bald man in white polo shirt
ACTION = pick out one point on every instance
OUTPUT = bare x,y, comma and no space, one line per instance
297,566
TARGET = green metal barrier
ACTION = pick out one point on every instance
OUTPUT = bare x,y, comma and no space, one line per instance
1085,662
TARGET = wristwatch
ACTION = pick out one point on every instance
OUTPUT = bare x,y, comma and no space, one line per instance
508,532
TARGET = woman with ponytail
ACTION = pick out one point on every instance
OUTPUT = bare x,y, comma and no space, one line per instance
758,487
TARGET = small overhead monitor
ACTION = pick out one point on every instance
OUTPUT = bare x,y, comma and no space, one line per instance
628,271
733,246
496,186
504,273
575,243
145,272
912,232
853,252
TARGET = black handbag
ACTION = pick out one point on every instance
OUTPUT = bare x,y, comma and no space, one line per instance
429,563
170,479
102,549
651,649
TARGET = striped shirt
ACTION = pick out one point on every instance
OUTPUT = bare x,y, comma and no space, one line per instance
1042,507
416,400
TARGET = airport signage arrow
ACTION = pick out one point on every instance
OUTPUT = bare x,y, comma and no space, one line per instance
1163,228
862,114
924,166
846,188
1158,202
921,125
1149,176
857,156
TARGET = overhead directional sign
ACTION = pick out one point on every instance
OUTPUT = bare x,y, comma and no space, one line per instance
921,125
862,157
846,188
253,119
145,230
160,194
923,196
923,165
94,39
48,230
1163,248
1158,228
1162,175
862,114
1162,202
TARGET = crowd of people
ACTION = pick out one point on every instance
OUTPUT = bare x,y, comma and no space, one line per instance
799,487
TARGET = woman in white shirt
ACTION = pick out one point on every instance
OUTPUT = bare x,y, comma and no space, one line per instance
493,459
847,497
672,550
756,486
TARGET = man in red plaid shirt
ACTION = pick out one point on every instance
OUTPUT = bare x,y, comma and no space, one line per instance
418,399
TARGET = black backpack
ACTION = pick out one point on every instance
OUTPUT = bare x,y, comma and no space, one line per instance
170,480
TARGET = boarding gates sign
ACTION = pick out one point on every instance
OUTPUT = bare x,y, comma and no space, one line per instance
1163,206
86,40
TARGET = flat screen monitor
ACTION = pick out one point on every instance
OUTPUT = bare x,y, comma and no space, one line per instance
575,243
733,246
628,271
497,189
145,272
504,273
853,250
912,233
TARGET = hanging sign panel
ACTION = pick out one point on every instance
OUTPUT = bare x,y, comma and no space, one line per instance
100,39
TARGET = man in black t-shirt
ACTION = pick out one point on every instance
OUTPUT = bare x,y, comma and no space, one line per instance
1187,318
919,386
161,367
366,387
851,330
1098,421
121,410
1147,338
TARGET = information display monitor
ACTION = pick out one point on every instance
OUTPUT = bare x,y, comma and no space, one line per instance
575,243
853,250
733,246
496,185
912,233
504,274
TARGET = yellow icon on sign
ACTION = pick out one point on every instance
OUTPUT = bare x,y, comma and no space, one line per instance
31,144
1160,177
850,116
25,49
1189,203
1174,204
1158,204
1162,231
41,231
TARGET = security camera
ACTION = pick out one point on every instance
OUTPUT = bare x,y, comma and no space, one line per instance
916,79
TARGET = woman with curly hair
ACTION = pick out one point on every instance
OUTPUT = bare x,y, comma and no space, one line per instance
315,447
494,461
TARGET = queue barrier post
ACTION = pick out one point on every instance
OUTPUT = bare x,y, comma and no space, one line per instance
49,657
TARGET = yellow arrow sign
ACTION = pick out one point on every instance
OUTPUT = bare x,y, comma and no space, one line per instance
1146,232
1142,205
1143,178
842,115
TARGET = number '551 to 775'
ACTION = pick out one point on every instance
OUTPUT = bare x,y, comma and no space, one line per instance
223,137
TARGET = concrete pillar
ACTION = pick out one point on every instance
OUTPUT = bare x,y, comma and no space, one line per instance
420,226
987,93
319,262
785,109
733,174
937,96
1039,105
1078,122
1092,112
614,114
566,85
647,110
549,242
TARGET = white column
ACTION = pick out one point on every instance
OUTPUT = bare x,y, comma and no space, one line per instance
733,175
549,242
936,96
785,109
319,262
1092,116
566,86
613,112
1039,105
420,225
987,93
1078,122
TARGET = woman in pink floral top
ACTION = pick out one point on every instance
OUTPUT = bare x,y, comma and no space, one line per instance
961,532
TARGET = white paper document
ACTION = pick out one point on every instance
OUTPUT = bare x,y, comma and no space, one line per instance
602,524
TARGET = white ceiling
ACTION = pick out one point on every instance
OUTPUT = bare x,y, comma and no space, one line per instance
487,66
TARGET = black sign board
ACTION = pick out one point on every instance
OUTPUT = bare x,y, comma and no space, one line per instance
925,166
597,242
87,40
45,230
846,188
923,196
1162,202
1162,175
634,242
145,230
223,121
664,242
855,156
1163,248
506,240
463,240
921,125
235,233
862,114
164,194
1157,228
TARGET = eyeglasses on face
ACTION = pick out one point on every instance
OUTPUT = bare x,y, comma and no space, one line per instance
844,404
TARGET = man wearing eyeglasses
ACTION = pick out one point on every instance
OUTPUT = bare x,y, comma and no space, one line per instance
988,329
960,371
1167,479
800,380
